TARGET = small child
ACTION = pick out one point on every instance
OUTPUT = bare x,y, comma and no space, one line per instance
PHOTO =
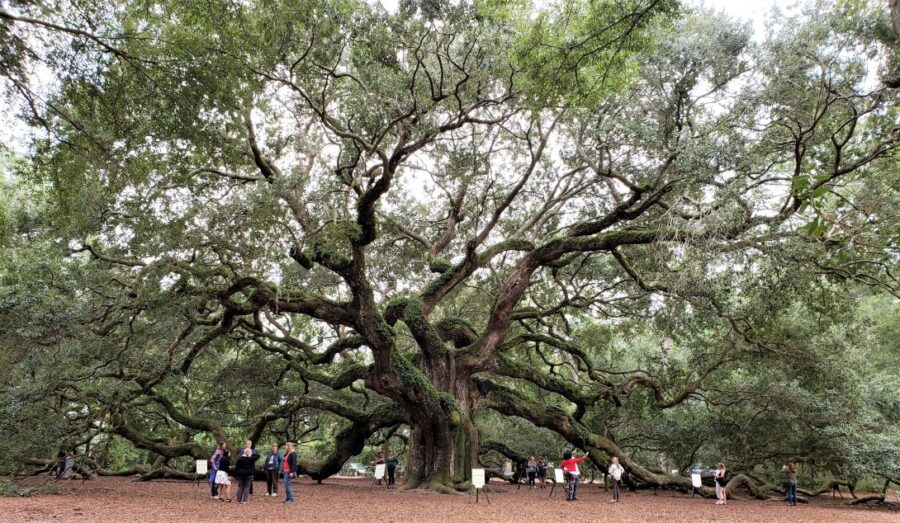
222,480
616,471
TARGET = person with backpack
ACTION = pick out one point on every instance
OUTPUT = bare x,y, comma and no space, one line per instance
569,464
289,469
722,477
244,469
616,471
791,487
272,465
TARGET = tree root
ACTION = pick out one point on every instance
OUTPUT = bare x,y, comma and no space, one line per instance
879,498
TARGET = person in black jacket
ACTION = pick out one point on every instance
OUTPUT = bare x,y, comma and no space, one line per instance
255,455
392,463
244,469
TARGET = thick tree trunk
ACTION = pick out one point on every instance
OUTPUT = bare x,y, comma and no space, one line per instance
443,446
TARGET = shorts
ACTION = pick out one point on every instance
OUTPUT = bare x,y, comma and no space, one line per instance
222,478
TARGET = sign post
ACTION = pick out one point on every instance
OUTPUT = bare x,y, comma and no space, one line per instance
379,474
696,483
478,484
557,478
201,470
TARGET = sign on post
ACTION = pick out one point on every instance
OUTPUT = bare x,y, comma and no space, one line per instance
478,484
478,478
201,469
696,483
379,475
558,478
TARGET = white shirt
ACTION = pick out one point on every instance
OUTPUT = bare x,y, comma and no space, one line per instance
616,470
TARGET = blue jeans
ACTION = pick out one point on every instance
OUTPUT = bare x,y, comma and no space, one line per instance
792,492
288,493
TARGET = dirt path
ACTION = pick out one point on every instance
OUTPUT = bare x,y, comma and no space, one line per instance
120,499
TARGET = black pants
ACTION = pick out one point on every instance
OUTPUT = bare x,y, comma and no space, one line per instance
272,481
391,471
531,476
616,489
214,489
243,493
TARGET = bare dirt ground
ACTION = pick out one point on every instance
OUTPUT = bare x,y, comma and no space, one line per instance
122,499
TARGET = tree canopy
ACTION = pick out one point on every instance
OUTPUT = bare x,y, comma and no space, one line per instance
467,229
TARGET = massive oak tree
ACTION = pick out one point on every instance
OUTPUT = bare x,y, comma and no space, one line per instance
437,207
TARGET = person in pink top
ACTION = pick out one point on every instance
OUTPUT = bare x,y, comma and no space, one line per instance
569,465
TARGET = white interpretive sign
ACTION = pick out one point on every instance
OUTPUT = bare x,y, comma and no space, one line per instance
379,471
558,476
478,478
695,481
201,467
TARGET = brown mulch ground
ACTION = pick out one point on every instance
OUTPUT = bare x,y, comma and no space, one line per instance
122,499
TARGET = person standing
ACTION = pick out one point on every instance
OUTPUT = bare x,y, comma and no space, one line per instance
722,477
616,471
223,482
542,470
244,469
531,470
379,460
569,464
249,445
392,463
272,466
791,471
214,468
289,468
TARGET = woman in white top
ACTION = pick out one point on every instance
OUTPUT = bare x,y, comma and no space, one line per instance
616,471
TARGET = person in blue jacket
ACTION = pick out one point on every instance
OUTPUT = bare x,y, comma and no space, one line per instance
272,465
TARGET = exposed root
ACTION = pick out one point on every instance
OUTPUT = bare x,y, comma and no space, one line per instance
411,483
439,486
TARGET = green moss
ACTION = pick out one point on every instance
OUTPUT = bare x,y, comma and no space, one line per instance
439,265
439,281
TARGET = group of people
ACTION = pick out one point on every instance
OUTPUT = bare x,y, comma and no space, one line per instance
722,476
277,466
572,475
535,469
282,467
